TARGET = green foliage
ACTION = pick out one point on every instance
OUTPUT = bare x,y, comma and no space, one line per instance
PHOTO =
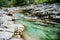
3,3
10,3
51,1
20,2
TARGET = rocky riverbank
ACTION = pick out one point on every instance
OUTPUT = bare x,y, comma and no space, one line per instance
10,30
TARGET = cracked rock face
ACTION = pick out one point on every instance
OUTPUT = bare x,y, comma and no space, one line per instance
44,10
8,26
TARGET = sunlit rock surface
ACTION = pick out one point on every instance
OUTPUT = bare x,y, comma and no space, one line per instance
16,39
5,35
8,25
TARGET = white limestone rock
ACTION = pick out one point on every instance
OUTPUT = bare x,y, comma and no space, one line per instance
13,26
8,24
7,30
5,35
20,27
5,18
16,39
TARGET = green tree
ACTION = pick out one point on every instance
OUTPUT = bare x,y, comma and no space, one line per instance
11,3
3,3
20,2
